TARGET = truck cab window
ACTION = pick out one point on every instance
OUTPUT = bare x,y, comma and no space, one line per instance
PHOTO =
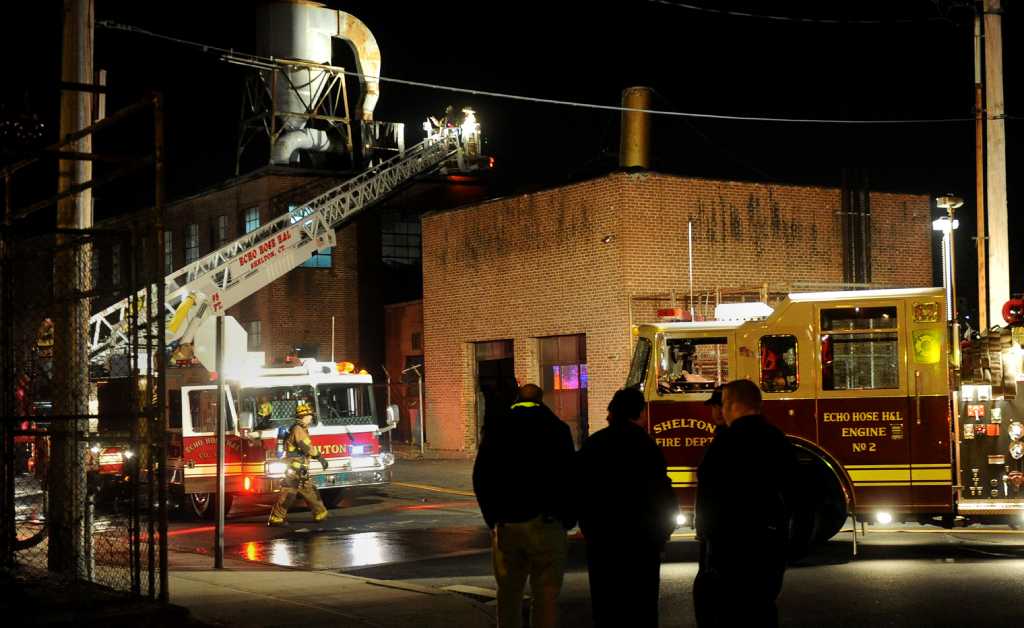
638,366
687,365
204,411
274,407
859,348
779,364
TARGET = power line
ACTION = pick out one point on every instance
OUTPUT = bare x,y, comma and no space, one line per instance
263,62
790,18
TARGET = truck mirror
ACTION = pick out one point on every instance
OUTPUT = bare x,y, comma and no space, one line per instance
392,415
245,421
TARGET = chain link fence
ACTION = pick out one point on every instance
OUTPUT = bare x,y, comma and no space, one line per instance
82,438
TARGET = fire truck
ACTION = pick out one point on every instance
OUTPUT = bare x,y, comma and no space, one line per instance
865,384
261,406
263,400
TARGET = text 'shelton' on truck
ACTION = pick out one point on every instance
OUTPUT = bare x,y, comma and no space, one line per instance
864,385
346,425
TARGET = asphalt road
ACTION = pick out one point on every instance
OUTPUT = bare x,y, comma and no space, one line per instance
902,575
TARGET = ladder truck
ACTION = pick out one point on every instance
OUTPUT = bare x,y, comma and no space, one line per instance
261,403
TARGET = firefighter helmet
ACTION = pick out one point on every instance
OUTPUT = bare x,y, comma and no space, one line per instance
303,409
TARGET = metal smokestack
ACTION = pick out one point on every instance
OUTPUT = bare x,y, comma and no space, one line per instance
635,138
302,31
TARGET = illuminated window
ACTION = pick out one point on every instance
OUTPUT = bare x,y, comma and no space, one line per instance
191,243
563,362
168,252
252,219
779,364
255,335
859,348
320,258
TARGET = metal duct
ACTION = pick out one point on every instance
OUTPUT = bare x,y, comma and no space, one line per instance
303,31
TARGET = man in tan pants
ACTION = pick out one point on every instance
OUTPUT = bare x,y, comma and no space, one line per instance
521,479
299,449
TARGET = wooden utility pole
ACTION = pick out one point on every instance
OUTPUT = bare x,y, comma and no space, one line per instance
70,540
979,168
998,238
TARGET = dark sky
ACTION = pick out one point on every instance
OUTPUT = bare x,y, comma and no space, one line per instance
915,63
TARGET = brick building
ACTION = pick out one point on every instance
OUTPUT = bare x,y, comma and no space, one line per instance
544,287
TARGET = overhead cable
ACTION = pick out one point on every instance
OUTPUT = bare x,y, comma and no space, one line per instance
261,62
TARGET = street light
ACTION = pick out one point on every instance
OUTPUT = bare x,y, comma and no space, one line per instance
947,224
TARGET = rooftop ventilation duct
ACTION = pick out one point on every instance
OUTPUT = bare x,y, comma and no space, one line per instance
303,31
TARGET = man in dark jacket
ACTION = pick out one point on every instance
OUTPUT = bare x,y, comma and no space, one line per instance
521,478
704,585
746,487
627,513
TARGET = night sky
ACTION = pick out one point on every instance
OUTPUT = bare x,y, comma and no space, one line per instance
914,60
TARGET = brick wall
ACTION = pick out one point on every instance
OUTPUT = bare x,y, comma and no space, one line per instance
538,265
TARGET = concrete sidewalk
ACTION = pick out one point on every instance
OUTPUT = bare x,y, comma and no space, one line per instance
252,594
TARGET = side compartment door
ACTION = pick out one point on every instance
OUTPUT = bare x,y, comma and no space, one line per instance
930,431
864,408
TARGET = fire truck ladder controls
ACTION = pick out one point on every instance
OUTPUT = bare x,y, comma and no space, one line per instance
223,278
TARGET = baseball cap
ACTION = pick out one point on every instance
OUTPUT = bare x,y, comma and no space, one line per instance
716,398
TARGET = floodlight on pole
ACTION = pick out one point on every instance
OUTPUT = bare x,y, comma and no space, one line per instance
947,224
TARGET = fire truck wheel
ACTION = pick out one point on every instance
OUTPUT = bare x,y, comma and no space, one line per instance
204,505
332,497
825,510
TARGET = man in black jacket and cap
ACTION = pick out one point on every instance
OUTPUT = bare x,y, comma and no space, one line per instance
627,513
746,492
522,482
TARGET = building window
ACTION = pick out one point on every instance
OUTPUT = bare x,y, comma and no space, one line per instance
222,230
859,348
779,364
191,243
255,335
320,258
400,239
168,252
563,365
252,219
417,341
115,265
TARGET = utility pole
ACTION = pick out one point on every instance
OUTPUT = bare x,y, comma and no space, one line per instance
979,169
70,541
998,238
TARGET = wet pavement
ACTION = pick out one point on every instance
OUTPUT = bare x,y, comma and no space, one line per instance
344,551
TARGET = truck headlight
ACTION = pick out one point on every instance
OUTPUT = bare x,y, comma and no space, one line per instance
276,468
387,459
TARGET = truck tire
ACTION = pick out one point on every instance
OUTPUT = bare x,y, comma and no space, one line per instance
824,509
203,506
332,497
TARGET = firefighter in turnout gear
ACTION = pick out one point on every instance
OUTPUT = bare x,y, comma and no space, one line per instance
299,449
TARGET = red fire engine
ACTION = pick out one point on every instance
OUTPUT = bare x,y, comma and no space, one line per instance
260,408
863,384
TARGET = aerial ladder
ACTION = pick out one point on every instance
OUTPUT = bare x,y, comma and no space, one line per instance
223,278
